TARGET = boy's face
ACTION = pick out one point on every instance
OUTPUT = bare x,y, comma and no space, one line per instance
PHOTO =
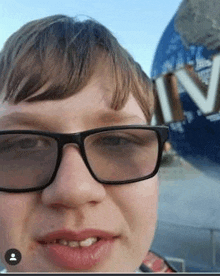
75,201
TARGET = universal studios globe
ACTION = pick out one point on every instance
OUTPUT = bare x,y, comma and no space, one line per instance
186,73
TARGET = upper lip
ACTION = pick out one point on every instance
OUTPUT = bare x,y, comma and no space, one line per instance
69,235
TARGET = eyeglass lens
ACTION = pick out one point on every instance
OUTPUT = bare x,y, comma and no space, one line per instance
26,160
123,154
29,160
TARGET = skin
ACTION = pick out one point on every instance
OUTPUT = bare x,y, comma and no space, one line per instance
76,201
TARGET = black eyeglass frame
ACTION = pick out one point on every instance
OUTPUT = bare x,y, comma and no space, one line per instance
78,138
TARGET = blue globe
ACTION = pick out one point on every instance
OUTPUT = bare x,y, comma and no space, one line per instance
185,72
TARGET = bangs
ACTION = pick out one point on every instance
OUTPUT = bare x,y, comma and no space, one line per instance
54,58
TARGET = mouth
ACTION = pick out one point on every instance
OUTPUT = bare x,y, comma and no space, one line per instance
73,243
78,250
83,238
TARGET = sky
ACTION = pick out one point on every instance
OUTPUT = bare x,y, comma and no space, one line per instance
137,24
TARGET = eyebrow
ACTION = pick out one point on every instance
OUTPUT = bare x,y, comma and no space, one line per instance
20,118
109,117
29,119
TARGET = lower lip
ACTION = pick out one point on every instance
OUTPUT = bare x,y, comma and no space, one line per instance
79,258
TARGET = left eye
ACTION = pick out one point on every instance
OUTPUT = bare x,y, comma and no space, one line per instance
113,141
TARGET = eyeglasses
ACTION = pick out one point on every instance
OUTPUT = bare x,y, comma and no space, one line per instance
29,160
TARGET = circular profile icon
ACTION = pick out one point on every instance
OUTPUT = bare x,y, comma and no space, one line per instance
13,256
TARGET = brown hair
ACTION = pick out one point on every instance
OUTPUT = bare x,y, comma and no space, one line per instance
56,57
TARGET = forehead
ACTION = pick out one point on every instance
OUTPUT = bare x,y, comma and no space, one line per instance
88,108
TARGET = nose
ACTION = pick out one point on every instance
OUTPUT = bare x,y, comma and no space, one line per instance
73,185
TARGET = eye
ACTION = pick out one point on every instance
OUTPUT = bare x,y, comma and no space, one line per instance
22,142
114,141
28,143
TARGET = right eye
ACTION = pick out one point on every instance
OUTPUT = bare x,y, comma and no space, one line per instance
24,143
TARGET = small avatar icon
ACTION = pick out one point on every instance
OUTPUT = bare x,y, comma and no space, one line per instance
13,256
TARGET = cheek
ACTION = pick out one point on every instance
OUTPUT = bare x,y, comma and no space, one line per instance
138,204
15,210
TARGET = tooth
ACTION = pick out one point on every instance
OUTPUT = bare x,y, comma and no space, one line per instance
84,243
73,244
63,242
88,241
52,242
